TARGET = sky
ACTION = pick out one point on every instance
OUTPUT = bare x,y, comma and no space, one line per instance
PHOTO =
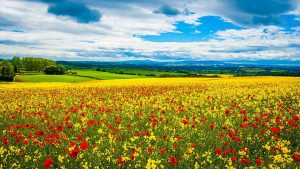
157,30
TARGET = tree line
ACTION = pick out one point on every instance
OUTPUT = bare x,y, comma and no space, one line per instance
8,70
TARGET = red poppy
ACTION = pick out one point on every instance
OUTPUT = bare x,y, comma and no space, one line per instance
211,126
246,161
173,160
4,141
227,112
79,137
258,161
296,117
296,157
84,145
40,133
275,129
185,121
74,153
150,149
48,163
121,161
59,128
218,151
162,151
233,159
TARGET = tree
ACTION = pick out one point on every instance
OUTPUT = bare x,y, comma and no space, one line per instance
16,63
6,71
55,70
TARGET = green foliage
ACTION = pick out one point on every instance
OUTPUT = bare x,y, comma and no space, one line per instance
6,71
36,64
16,63
51,78
55,70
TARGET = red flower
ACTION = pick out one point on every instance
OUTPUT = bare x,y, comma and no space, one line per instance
246,161
233,159
40,133
296,117
296,157
231,134
211,126
150,149
84,145
74,153
121,161
185,121
275,129
218,151
173,160
262,132
227,112
162,151
79,137
48,162
4,141
59,128
258,161
193,145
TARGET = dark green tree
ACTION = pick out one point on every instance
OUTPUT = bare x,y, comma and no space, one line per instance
6,71
55,70
16,63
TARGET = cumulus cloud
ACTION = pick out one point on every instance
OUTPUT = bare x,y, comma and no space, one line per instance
76,10
167,10
255,12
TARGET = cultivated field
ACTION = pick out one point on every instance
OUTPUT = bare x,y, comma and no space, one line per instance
152,123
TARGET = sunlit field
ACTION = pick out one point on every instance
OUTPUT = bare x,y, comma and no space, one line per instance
152,123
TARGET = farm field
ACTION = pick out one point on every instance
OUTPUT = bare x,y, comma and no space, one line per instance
52,78
104,75
234,122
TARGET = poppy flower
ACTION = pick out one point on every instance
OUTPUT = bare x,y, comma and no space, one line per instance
59,128
296,118
218,151
84,145
162,151
233,159
258,161
121,161
48,163
296,157
275,129
4,141
227,112
74,153
173,160
246,161
211,126
150,149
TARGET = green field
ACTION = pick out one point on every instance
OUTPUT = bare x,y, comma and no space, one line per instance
81,76
51,78
104,75
141,72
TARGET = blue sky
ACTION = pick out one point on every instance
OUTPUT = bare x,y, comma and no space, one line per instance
158,30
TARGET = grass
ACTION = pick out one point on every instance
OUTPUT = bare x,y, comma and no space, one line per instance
104,75
142,72
51,78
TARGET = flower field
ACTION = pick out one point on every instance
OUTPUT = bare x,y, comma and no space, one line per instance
152,123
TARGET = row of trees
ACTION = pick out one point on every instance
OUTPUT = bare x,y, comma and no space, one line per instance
30,64
21,65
